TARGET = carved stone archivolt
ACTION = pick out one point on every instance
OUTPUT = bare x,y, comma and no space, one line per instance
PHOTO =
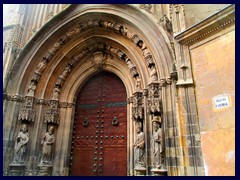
98,59
116,27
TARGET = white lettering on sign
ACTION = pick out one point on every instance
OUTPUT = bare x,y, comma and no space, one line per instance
221,102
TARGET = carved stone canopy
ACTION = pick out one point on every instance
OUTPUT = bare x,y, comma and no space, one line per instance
27,113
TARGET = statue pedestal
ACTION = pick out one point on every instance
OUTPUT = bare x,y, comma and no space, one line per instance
17,169
159,172
44,170
140,171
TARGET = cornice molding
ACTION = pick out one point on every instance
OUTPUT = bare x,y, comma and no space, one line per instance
208,26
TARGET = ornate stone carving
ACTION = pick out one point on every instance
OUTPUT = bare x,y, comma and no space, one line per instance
126,32
52,115
47,143
146,7
138,84
31,88
153,74
146,53
154,99
65,72
99,59
56,92
137,107
27,112
56,47
139,146
41,66
21,145
166,24
16,98
157,143
132,68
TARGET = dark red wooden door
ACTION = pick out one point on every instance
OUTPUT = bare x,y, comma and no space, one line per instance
100,138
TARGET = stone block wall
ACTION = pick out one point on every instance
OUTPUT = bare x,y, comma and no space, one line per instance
214,76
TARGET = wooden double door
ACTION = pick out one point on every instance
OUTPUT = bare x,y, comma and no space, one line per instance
100,133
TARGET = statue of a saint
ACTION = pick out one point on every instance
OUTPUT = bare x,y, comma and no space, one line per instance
47,143
56,92
21,145
31,88
139,145
157,143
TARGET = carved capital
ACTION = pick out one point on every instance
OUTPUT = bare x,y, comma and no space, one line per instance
41,102
16,98
162,82
63,104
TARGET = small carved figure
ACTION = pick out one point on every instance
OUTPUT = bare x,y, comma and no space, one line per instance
31,88
47,143
55,47
153,74
124,31
132,68
41,66
139,146
65,72
56,92
157,143
21,145
138,84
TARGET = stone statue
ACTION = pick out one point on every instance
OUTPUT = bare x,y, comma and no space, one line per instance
157,143
65,72
56,92
41,66
138,84
132,68
31,88
153,74
47,143
55,47
21,145
139,145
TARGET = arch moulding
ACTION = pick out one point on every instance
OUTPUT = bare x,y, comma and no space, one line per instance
76,44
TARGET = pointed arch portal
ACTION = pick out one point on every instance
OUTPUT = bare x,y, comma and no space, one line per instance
74,49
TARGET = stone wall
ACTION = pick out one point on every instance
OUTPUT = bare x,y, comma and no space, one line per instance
195,13
214,76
